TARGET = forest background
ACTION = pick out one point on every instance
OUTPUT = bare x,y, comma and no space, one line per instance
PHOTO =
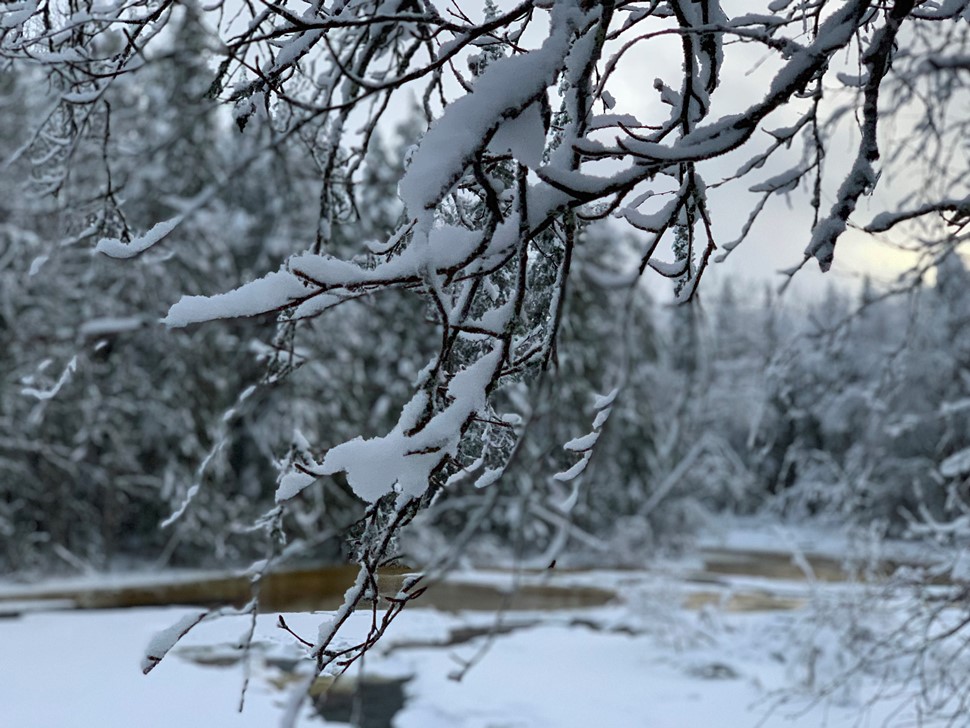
849,405
852,405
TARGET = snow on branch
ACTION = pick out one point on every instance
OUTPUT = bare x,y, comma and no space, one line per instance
404,459
959,208
585,444
504,92
462,253
50,393
164,640
862,177
115,248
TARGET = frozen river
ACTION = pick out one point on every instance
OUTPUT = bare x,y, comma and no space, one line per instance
711,644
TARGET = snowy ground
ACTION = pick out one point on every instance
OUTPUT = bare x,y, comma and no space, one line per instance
648,660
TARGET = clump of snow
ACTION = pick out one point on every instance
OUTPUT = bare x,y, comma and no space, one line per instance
603,404
575,470
164,640
17,13
375,466
259,296
524,137
581,444
291,484
36,264
189,497
507,88
488,477
115,248
109,325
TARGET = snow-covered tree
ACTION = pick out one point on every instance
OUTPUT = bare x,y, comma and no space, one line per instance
519,153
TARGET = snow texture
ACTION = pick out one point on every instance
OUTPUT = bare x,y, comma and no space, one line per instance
575,470
17,13
524,137
581,444
186,502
